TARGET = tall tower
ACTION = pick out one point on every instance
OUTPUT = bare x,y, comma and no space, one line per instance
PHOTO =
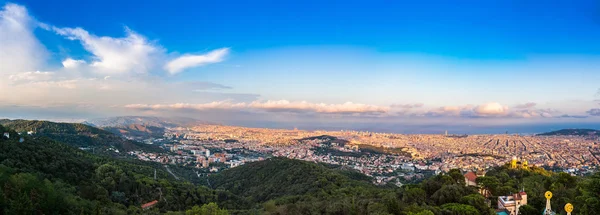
207,153
513,162
548,210
568,208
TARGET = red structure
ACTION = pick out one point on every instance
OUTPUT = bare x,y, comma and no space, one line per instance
149,204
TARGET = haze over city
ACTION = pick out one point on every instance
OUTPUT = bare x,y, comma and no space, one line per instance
467,67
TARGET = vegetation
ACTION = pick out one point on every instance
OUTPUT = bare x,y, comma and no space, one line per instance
384,150
137,130
582,192
40,175
79,135
572,132
327,139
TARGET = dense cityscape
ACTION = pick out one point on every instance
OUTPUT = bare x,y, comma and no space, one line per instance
395,158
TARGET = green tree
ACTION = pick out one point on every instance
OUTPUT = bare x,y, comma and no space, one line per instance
207,209
424,212
528,210
450,194
477,201
458,209
457,176
414,195
489,183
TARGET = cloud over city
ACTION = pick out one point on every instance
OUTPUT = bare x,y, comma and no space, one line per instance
128,71
272,106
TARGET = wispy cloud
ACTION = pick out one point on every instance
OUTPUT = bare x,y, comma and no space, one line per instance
70,63
188,61
492,110
407,106
594,112
272,106
131,53
20,50
134,72
526,105
115,55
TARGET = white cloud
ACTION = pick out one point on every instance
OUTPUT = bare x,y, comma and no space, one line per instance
272,106
491,109
30,76
187,61
132,53
526,105
407,106
123,70
451,111
71,63
20,51
116,55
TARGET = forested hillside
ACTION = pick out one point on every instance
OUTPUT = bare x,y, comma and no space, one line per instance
39,175
78,135
572,132
137,131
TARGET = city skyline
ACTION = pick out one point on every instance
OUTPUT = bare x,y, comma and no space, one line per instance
471,65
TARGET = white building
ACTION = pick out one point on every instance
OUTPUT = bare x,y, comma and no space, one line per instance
207,153
510,204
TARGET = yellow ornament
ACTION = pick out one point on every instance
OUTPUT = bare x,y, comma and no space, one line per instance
568,207
548,195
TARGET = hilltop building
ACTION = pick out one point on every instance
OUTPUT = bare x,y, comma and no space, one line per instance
509,205
518,164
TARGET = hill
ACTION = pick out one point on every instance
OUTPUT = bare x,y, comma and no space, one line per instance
572,132
44,176
79,135
278,177
39,175
161,122
137,131
327,139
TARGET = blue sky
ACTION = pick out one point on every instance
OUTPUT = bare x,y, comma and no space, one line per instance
402,63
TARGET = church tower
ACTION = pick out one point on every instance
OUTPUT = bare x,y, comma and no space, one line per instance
513,162
548,210
568,208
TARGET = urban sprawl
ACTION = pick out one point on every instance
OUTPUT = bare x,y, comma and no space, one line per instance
388,157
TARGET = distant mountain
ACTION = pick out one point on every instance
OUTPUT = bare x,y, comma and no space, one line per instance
142,127
163,122
137,131
572,132
78,135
